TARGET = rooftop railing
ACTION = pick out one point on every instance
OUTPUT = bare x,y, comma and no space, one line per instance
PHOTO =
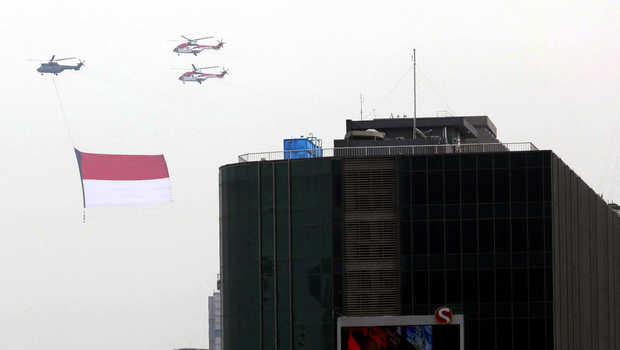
381,151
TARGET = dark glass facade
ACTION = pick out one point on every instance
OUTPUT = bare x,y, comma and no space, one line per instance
271,211
476,236
475,232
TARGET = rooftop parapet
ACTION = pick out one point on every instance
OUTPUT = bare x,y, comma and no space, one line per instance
382,151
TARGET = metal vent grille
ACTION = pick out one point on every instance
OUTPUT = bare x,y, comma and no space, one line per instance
371,238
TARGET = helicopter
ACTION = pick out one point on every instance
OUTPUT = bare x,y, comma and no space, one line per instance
198,76
192,46
53,67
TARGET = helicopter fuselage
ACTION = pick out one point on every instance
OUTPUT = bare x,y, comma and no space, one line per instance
55,68
195,49
200,77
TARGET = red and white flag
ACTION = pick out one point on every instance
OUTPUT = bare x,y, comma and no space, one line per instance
114,179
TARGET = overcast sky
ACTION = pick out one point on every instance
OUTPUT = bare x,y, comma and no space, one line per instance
138,278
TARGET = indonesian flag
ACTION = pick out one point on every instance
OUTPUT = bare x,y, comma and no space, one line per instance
114,179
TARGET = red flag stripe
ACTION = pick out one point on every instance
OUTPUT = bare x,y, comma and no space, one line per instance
122,167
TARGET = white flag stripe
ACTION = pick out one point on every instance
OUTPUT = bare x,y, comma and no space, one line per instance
131,192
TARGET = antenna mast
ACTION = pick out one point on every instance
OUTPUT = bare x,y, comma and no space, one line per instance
414,96
361,107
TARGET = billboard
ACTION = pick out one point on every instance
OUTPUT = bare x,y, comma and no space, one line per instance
400,333
388,338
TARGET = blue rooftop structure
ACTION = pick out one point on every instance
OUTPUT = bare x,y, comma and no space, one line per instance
303,147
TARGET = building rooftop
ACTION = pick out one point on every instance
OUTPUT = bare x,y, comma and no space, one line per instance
394,136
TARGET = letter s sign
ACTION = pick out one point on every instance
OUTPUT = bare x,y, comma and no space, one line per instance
443,315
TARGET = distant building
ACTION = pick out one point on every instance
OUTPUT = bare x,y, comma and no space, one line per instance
215,319
615,207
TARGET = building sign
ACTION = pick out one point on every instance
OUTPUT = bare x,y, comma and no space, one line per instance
443,315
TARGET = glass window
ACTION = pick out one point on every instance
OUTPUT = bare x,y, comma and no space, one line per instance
470,239
436,237
504,334
549,333
312,231
453,187
535,184
521,332
452,162
468,186
438,289
487,334
536,234
537,333
520,284
485,161
486,236
470,211
468,161
502,185
453,237
419,163
470,286
518,179
420,287
486,211
537,284
534,159
503,289
487,286
519,235
502,235
471,334
420,238
435,188
435,162
518,160
436,212
454,287
485,185
501,160
419,188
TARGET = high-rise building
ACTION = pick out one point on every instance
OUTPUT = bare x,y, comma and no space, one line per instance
365,243
215,319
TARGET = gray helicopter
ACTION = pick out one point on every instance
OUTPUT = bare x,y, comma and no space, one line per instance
53,67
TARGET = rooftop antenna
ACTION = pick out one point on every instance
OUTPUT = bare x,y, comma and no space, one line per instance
414,95
361,107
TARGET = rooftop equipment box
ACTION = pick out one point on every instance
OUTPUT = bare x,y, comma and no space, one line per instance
303,147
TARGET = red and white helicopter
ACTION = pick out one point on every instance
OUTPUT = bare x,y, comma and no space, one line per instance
192,46
198,76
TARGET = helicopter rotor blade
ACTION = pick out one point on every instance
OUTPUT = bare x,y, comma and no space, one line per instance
62,59
52,58
208,67
206,37
195,69
186,38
